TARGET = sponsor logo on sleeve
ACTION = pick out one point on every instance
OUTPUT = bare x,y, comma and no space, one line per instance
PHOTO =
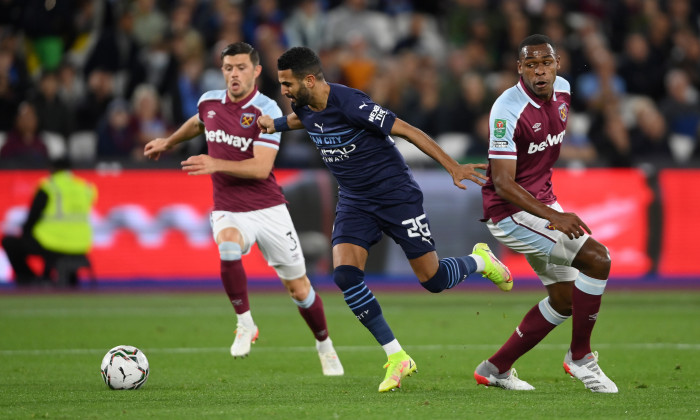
378,113
500,144
499,128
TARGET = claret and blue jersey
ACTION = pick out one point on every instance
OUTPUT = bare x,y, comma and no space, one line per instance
352,137
527,129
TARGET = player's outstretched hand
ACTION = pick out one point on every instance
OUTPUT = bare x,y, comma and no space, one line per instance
155,147
469,171
266,124
569,224
199,165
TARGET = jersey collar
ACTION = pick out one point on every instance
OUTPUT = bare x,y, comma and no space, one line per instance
534,100
245,102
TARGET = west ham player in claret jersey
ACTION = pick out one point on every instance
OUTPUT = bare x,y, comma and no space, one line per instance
527,124
248,203
377,194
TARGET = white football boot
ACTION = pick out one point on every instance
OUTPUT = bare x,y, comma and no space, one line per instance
487,374
330,363
587,371
244,337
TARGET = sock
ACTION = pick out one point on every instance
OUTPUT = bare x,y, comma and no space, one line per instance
362,302
233,276
311,309
324,346
535,326
585,302
392,347
246,319
451,272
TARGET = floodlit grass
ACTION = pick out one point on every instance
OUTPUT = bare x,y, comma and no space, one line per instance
51,347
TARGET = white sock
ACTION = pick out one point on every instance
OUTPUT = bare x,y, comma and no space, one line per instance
480,264
246,319
392,347
324,346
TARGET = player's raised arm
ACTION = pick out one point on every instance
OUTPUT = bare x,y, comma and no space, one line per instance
268,125
191,128
428,146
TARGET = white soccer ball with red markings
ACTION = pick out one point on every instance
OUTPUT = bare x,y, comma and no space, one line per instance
124,367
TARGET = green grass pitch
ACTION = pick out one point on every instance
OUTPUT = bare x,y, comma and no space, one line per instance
51,346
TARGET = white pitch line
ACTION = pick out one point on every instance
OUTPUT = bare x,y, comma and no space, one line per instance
433,347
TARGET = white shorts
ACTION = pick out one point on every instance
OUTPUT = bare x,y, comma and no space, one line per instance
272,229
549,252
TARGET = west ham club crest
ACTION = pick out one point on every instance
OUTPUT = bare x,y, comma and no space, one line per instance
247,119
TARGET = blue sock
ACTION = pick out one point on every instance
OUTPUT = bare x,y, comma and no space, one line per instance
361,301
451,272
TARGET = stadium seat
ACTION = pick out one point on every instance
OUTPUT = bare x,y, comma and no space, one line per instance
82,146
682,147
55,144
413,155
454,144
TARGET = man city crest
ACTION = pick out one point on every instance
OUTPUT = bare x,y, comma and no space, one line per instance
247,119
563,112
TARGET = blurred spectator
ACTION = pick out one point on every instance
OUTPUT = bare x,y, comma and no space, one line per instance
71,87
642,72
117,52
264,13
100,93
54,114
686,54
356,63
306,26
13,81
650,135
353,16
419,33
472,102
420,99
681,105
25,145
146,117
47,26
150,24
116,135
189,89
597,87
610,136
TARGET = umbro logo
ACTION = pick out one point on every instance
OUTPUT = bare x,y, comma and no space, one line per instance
537,127
320,126
211,114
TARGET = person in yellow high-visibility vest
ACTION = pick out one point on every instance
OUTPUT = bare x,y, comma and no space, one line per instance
58,223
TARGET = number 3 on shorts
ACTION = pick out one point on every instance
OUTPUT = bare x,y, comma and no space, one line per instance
416,227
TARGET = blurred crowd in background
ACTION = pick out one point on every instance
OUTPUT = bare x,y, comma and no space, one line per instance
95,80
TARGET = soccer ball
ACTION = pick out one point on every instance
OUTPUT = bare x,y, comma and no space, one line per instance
124,367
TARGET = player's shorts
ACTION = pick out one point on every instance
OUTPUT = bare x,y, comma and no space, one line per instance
272,229
362,224
549,252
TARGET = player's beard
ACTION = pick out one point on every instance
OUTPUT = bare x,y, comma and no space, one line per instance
302,98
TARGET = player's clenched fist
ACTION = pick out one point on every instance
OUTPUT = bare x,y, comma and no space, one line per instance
266,124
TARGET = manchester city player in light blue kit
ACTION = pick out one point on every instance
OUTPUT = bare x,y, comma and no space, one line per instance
377,195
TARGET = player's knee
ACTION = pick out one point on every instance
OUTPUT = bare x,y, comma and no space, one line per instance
347,276
229,251
298,289
290,272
